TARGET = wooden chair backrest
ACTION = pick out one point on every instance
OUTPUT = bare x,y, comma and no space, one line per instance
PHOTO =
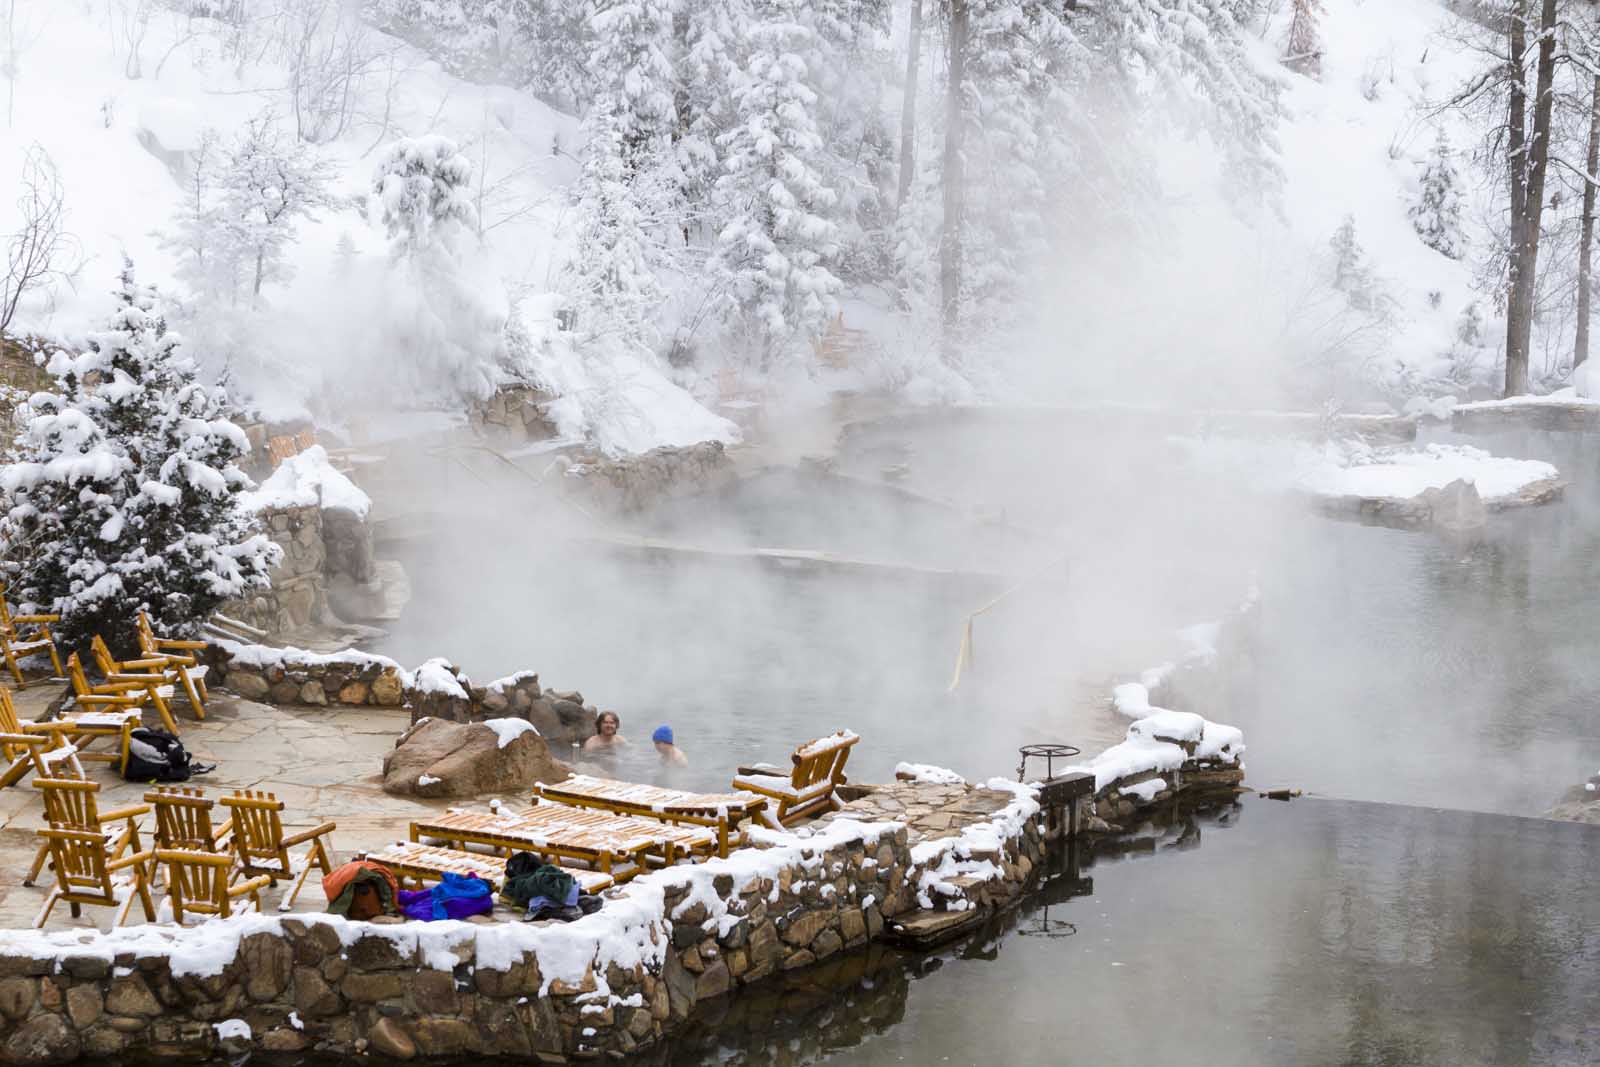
147,634
9,723
79,859
821,759
257,826
70,803
102,656
5,613
198,881
80,683
183,819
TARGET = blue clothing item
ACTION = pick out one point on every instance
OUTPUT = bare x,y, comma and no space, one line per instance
662,736
455,897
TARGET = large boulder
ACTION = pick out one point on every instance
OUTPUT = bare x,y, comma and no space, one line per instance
438,758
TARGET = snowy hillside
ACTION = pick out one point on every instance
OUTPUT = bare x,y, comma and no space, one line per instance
1342,297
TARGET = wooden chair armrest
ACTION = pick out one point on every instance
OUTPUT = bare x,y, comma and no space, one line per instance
128,861
174,659
41,620
249,885
166,642
128,812
132,666
134,681
26,739
306,835
112,698
223,829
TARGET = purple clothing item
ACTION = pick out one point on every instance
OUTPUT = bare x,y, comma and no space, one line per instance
455,897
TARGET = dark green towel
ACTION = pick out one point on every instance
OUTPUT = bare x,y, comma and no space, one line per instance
527,877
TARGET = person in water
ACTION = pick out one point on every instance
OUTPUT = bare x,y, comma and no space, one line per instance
670,754
607,736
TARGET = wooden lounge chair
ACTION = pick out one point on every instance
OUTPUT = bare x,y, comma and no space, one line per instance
721,811
182,661
120,717
132,690
427,863
26,635
818,770
618,845
197,882
70,804
84,869
262,848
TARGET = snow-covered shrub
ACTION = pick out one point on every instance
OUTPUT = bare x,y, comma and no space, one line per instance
123,489
1437,213
1303,45
1352,275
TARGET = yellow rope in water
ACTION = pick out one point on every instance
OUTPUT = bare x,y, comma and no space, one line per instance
964,656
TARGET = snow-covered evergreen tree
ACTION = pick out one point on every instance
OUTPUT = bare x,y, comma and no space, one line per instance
1303,42
774,252
634,77
610,281
713,36
123,487
422,186
444,317
1437,213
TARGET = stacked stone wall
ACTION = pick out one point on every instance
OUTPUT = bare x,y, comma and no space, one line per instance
438,990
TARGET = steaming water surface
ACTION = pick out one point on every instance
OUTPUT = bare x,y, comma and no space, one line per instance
1313,932
1392,665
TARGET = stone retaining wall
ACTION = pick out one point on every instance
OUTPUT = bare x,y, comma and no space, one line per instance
299,593
610,984
633,483
436,690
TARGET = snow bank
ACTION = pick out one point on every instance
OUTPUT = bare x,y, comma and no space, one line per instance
1353,468
1160,741
308,479
1403,475
927,774
263,657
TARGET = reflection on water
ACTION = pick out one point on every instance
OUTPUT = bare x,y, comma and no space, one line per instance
1312,932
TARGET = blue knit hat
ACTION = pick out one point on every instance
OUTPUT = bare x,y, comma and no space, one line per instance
662,736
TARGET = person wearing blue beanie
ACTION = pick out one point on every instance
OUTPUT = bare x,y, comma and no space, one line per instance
670,753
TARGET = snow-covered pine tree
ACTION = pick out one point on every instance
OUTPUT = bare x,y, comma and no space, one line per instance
634,77
773,255
422,185
445,315
123,488
713,33
610,282
1302,52
1437,213
205,246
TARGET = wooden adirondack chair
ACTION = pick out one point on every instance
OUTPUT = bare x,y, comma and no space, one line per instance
83,869
262,848
197,882
70,804
31,749
130,676
183,820
64,733
125,699
182,661
36,746
818,770
25,635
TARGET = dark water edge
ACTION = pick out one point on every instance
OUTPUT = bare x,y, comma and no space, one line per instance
1316,931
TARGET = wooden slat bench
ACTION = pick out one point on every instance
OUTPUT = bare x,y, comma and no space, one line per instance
428,863
616,844
723,812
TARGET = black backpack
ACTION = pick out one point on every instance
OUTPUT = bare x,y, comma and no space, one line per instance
155,756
